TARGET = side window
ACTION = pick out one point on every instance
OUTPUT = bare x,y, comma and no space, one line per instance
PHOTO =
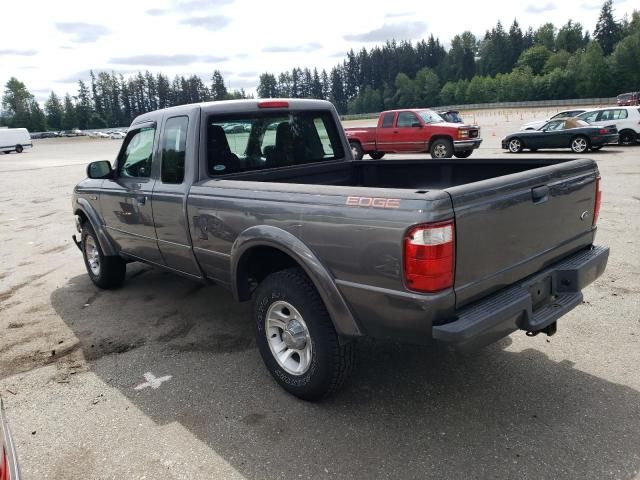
589,117
607,115
136,159
621,114
387,120
174,140
555,125
407,119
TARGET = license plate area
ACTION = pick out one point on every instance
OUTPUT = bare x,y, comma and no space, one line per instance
541,293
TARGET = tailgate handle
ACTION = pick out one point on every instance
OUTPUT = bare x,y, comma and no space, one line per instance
540,194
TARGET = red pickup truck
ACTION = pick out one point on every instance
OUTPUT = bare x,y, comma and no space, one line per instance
414,131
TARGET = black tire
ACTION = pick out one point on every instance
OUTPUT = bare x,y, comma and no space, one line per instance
463,154
376,155
110,271
627,137
580,144
330,362
533,150
441,148
515,145
18,148
356,150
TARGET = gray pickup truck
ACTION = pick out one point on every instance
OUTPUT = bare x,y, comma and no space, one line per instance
263,197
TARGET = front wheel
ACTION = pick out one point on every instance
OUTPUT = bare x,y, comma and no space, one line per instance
579,144
18,148
515,145
376,155
296,338
105,271
356,150
463,154
441,148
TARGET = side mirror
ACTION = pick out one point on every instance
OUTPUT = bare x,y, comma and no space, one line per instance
100,169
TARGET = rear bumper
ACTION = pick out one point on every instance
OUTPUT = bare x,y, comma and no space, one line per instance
604,139
463,145
513,308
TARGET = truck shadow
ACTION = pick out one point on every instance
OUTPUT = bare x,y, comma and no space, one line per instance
409,412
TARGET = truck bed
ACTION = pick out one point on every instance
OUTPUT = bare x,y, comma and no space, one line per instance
512,217
398,174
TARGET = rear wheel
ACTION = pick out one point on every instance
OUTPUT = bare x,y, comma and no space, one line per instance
463,154
441,148
296,338
105,271
356,150
579,144
18,148
515,145
376,155
627,137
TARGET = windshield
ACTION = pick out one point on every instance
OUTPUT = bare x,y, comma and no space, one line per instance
429,116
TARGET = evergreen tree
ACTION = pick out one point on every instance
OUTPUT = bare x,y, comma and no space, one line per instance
69,120
218,89
268,86
570,37
607,32
55,112
38,120
83,107
337,94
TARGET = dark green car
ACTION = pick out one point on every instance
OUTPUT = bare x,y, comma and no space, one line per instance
571,133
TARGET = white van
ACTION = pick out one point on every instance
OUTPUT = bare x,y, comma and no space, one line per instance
14,140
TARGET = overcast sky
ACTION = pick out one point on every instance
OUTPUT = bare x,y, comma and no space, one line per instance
49,45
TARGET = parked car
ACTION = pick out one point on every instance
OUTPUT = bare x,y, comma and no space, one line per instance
414,131
626,120
49,135
101,135
628,99
535,125
14,140
329,248
118,135
571,133
451,116
9,467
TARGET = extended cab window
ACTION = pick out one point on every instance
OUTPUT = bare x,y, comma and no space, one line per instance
407,119
136,159
174,142
269,140
387,120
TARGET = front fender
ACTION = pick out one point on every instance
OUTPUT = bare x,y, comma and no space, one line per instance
107,245
288,243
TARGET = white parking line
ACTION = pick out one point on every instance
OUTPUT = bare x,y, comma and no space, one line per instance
152,381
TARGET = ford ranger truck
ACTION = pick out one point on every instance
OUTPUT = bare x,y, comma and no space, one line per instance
264,198
414,131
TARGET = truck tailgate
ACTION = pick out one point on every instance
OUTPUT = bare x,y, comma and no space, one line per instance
512,226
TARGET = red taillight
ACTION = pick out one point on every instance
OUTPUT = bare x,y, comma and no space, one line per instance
596,208
603,131
273,104
4,465
429,257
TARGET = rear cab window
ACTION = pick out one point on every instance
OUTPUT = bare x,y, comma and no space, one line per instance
387,120
261,140
174,140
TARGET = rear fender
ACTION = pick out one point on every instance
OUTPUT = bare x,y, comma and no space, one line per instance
289,244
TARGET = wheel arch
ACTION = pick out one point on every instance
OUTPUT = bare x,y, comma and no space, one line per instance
87,213
261,250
